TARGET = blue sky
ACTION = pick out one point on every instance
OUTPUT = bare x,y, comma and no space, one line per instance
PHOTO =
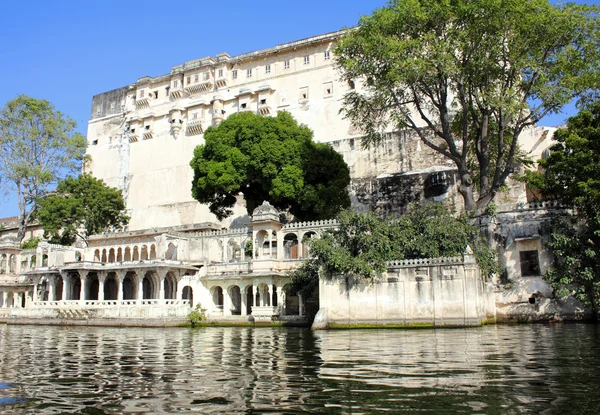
66,51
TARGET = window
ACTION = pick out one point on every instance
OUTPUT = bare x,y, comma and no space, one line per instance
205,76
234,74
195,116
263,101
328,89
267,68
175,84
142,94
189,80
155,94
306,60
220,73
196,78
530,263
303,93
327,55
244,105
132,130
95,142
286,64
249,73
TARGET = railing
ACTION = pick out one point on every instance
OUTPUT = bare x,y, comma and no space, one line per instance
110,303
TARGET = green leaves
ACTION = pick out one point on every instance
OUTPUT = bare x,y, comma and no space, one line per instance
81,207
38,146
269,158
572,175
474,73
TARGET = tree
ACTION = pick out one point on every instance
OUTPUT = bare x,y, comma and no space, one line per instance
572,175
269,158
81,207
362,244
38,146
468,76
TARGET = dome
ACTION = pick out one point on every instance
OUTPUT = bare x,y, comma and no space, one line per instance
265,212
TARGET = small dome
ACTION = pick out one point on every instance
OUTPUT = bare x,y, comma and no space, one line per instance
265,212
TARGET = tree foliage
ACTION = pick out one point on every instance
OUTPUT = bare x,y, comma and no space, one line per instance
468,76
363,243
572,175
38,147
81,206
269,158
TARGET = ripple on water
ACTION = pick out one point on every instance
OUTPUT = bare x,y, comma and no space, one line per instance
504,369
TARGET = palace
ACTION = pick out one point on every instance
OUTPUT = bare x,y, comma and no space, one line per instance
176,254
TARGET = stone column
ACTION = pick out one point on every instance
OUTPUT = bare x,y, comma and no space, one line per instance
65,279
36,281
16,300
226,302
300,305
243,302
83,280
120,277
51,288
269,295
101,279
140,292
281,300
162,274
280,249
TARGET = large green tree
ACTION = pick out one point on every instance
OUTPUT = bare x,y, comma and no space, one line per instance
572,175
81,207
38,147
468,76
269,158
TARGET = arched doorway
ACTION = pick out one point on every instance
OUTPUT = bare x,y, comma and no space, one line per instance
128,287
236,300
188,294
91,289
217,297
111,287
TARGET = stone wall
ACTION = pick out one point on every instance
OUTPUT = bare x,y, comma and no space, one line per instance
436,292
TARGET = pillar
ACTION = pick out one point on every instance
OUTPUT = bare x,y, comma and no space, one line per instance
65,279
101,279
244,301
281,299
120,277
300,305
162,274
269,295
51,288
35,289
83,280
16,300
226,302
140,293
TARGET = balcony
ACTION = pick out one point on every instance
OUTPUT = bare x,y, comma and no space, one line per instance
221,82
194,127
142,102
264,109
200,88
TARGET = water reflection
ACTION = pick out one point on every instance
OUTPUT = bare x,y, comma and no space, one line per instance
504,369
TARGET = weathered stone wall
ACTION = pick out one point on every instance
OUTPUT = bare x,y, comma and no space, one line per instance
437,292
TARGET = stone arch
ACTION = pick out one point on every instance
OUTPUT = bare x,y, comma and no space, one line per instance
119,255
170,286
78,256
58,288
12,264
104,256
261,244
111,287
91,287
188,294
234,251
144,253
24,264
235,294
307,235
152,251
171,251
249,293
75,287
44,260
32,262
136,254
127,256
290,246
111,255
3,264
149,286
217,297
129,286
262,295
292,301
97,255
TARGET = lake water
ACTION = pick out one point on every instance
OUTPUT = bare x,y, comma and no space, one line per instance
493,369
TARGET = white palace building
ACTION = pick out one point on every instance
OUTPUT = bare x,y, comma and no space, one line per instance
176,254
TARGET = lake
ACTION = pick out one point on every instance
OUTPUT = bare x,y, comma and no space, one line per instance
493,369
